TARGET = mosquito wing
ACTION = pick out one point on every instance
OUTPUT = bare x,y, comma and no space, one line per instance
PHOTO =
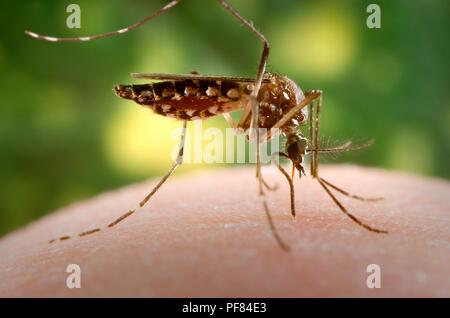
180,77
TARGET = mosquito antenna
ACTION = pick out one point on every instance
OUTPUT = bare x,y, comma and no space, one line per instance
107,34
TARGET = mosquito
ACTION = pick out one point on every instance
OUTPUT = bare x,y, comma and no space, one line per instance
269,102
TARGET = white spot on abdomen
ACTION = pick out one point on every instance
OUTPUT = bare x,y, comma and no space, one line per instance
212,91
166,108
233,93
190,112
213,109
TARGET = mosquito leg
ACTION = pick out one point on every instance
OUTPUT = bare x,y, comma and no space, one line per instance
273,229
177,163
315,140
314,135
264,55
344,210
232,124
237,131
261,182
289,179
255,112
314,125
259,78
254,109
254,106
167,7
348,194
291,189
269,187
311,131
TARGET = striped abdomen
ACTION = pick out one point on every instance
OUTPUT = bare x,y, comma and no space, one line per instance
187,99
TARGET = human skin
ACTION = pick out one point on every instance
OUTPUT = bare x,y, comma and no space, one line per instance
205,234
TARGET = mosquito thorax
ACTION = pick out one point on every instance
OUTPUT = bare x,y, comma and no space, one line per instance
276,98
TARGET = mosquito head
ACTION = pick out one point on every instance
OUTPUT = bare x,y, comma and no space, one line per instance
296,145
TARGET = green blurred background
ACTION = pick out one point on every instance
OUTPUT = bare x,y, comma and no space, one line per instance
64,136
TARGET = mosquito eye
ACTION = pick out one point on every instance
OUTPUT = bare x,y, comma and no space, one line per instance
302,143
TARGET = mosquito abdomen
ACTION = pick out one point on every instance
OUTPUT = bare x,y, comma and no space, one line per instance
186,99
